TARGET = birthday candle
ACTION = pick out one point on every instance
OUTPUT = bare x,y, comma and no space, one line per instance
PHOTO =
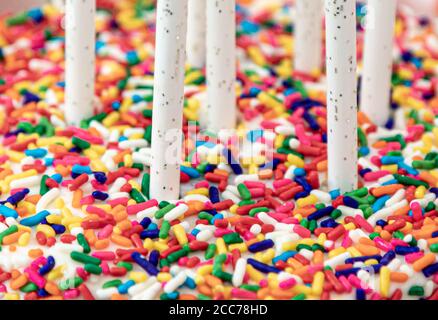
341,94
221,64
377,69
171,30
308,35
196,29
80,59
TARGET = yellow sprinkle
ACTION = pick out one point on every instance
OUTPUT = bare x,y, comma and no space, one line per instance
180,234
318,283
385,281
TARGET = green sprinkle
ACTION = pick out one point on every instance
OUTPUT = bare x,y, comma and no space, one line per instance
29,287
83,243
16,20
162,212
423,164
145,182
148,134
232,237
174,256
112,283
81,144
164,230
254,211
128,266
84,258
416,291
205,216
243,191
211,250
300,296
410,181
92,268
70,283
137,196
434,247
43,187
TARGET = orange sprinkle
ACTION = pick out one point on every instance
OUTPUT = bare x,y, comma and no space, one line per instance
424,261
121,240
35,253
212,281
385,190
76,201
33,198
18,282
90,236
52,288
101,244
399,276
12,238
367,250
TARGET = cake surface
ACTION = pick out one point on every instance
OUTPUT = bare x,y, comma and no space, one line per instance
255,219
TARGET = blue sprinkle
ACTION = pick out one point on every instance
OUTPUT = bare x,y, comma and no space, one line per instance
321,213
154,256
380,203
387,257
36,153
50,264
404,250
152,234
30,97
35,219
364,151
391,159
213,193
190,283
59,228
18,196
123,288
351,202
78,169
262,267
299,172
99,195
145,222
329,223
408,169
387,183
334,193
284,256
146,265
261,245
360,294
430,270
57,177
100,177
191,172
218,216
363,259
48,162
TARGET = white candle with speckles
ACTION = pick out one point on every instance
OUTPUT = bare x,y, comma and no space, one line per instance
196,33
221,64
340,18
377,62
308,35
80,60
171,31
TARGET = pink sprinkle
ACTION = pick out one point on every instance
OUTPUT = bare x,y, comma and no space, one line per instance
287,284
